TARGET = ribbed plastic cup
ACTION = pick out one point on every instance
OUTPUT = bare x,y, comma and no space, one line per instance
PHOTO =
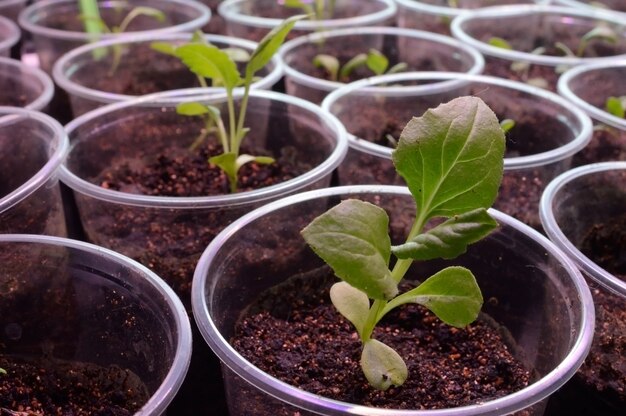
29,86
9,35
607,5
12,8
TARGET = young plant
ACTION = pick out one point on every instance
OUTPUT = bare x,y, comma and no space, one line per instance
452,161
520,67
208,61
616,106
507,124
373,60
315,9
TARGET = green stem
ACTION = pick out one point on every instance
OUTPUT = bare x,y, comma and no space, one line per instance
242,112
231,120
372,318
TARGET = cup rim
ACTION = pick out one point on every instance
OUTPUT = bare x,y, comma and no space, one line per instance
563,87
420,7
171,383
327,86
59,144
516,401
11,2
228,10
170,99
456,28
27,16
65,64
41,101
585,6
14,34
554,232
454,78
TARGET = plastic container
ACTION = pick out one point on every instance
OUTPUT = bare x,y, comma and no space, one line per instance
542,299
11,8
24,86
56,28
142,70
548,130
74,307
436,15
583,211
527,27
419,50
9,35
32,148
253,19
611,5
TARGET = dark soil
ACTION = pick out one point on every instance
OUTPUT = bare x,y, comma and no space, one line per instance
12,94
70,20
607,144
303,341
38,387
537,75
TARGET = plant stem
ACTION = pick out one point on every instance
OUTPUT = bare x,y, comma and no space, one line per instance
372,319
242,112
231,120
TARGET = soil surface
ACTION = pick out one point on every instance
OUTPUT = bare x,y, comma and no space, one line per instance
607,144
38,388
12,93
303,341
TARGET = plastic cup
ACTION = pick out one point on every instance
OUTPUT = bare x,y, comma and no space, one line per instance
11,8
9,35
611,5
24,86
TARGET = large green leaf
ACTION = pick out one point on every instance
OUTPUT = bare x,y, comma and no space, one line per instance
452,294
352,238
210,62
452,157
449,239
383,367
351,303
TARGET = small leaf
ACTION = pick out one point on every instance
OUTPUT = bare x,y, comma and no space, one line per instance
3,371
383,367
452,157
507,124
377,62
351,303
263,160
538,82
198,37
192,109
602,32
500,43
615,106
329,63
564,49
164,47
210,62
449,239
452,294
352,238
351,65
268,46
295,4
399,67
237,54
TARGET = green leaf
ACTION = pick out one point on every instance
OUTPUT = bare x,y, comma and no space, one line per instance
237,54
602,32
329,63
351,303
164,47
615,106
399,67
192,109
500,43
209,61
452,157
198,37
564,49
352,238
268,46
351,65
263,160
507,124
383,367
377,62
452,294
295,4
449,239
3,371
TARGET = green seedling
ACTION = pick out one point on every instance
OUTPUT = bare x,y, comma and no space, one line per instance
373,60
520,67
452,161
210,62
507,124
95,26
616,106
2,371
315,9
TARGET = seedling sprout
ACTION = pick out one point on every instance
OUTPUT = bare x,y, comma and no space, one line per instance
616,106
315,9
374,60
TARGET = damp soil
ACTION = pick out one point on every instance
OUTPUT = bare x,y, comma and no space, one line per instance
12,94
607,144
37,387
295,334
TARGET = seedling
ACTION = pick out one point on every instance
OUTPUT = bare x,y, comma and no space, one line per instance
507,124
2,371
616,106
373,60
95,26
452,161
520,67
208,61
315,9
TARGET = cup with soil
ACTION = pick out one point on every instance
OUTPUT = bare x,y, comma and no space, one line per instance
216,24
436,15
253,19
535,44
32,148
417,50
548,130
584,212
56,26
589,87
24,86
611,5
537,320
141,70
86,330
11,8
9,35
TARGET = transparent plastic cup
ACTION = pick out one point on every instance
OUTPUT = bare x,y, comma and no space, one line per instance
253,19
76,304
589,86
216,24
24,86
539,297
436,15
56,28
74,71
12,8
606,5
9,35
526,28
32,148
548,130
583,211
419,50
